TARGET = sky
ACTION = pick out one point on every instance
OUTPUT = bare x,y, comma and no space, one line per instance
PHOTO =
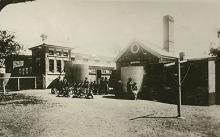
106,27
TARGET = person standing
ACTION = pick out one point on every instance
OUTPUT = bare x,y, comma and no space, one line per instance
129,88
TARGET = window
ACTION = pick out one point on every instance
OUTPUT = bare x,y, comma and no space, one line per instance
23,71
26,71
51,65
107,72
59,66
103,71
65,54
58,53
30,69
20,71
92,70
51,52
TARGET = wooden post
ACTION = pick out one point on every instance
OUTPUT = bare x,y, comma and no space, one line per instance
179,93
18,83
35,82
3,84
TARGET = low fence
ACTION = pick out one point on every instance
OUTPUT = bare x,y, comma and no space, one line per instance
17,82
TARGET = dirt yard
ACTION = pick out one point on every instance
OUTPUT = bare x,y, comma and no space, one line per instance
41,114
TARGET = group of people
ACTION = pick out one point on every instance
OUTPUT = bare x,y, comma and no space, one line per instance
80,89
87,89
132,90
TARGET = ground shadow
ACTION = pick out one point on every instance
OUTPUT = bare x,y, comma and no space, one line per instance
150,116
113,97
17,98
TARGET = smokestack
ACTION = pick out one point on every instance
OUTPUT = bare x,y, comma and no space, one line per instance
168,27
218,34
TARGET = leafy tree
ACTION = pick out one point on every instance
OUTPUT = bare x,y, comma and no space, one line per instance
4,3
8,46
215,52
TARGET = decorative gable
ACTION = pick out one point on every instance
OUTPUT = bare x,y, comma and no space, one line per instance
138,52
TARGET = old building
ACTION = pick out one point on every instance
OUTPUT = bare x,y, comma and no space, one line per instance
98,66
20,66
137,57
48,62
155,71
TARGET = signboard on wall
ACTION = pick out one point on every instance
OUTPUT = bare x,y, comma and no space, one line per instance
18,64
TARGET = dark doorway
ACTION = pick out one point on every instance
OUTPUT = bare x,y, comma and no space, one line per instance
98,76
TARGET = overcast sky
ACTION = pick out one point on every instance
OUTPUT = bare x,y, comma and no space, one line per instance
102,27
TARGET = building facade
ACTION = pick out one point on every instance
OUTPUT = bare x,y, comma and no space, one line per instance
98,66
156,73
49,62
135,59
20,66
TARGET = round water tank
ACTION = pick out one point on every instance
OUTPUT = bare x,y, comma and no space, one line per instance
76,72
134,72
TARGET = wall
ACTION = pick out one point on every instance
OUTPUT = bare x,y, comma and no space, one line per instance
217,82
211,82
135,72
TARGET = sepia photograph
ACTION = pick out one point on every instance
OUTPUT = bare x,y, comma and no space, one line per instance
109,68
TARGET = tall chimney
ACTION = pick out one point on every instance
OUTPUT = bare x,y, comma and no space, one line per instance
168,30
218,34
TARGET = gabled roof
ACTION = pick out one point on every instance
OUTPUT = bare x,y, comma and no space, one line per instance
47,45
152,48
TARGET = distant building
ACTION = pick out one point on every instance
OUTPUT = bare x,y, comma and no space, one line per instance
99,66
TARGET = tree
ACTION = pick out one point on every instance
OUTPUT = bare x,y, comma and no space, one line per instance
4,3
8,46
215,52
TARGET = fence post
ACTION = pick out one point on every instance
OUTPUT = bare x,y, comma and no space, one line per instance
35,82
18,83
3,84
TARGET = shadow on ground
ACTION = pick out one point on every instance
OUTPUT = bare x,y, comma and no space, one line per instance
17,98
113,97
150,116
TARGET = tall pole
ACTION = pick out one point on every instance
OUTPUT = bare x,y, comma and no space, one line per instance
179,93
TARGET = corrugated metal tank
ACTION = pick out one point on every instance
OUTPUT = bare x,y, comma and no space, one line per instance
76,72
135,72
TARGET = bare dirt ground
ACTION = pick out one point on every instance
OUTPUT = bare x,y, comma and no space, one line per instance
41,114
